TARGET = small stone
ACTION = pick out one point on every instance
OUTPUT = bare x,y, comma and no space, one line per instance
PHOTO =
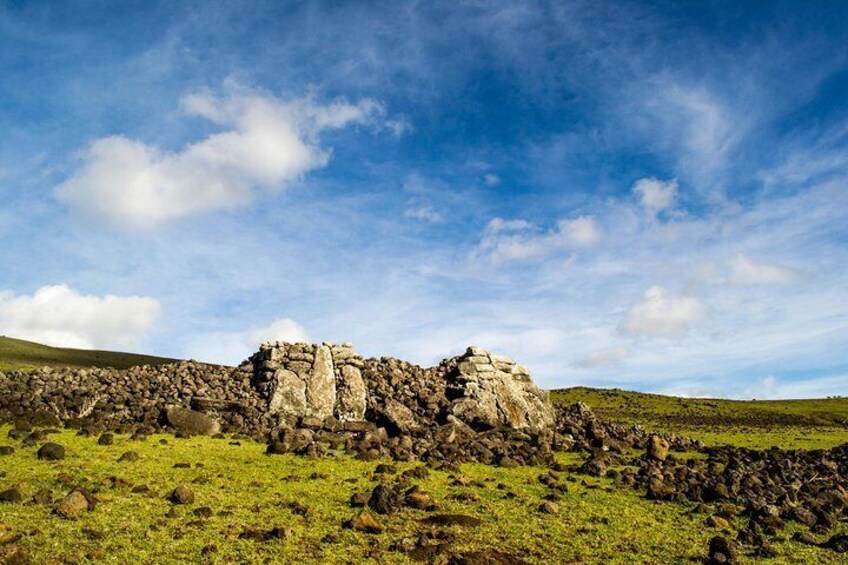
548,507
722,551
384,500
128,457
203,512
51,452
364,522
419,501
106,439
14,555
11,495
6,450
718,522
358,499
182,495
75,503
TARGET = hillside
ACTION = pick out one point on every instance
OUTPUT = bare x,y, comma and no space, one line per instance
20,354
814,423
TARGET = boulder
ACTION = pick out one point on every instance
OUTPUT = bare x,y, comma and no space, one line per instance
497,393
289,395
192,422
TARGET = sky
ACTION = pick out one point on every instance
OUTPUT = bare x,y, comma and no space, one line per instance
644,195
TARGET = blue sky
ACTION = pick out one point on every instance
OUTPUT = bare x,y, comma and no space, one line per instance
644,195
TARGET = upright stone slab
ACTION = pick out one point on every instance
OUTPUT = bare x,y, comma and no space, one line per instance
352,395
321,386
289,395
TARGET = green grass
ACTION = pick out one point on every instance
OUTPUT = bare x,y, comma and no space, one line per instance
26,355
790,424
598,523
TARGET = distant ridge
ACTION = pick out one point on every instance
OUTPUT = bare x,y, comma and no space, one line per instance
20,354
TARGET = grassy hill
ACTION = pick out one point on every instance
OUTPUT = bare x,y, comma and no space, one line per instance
752,423
20,354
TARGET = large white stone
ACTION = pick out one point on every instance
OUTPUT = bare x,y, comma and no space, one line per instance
289,395
352,395
321,386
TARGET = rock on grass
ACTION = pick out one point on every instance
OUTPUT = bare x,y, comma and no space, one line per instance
75,503
51,452
181,495
364,522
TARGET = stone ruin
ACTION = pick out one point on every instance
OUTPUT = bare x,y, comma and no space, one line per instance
316,382
307,398
300,380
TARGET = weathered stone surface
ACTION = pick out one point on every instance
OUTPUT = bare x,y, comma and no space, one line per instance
190,421
321,386
289,395
75,503
400,416
352,396
492,394
657,448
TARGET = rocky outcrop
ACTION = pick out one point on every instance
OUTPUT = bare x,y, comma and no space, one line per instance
492,391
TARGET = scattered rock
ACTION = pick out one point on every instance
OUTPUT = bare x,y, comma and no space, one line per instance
128,457
182,495
106,439
722,551
12,494
384,500
364,522
549,508
51,452
75,503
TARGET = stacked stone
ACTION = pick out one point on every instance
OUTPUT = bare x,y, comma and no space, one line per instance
493,391
315,382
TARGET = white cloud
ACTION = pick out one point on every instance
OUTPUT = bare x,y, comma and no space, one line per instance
663,315
232,347
491,179
282,329
265,143
606,357
424,213
746,271
655,195
513,240
60,316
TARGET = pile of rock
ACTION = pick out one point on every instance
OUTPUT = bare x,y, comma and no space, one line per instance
307,397
131,398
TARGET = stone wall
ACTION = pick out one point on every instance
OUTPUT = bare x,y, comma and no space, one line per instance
304,397
302,380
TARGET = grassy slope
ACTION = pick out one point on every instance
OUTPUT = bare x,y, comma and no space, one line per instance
598,523
808,424
19,354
